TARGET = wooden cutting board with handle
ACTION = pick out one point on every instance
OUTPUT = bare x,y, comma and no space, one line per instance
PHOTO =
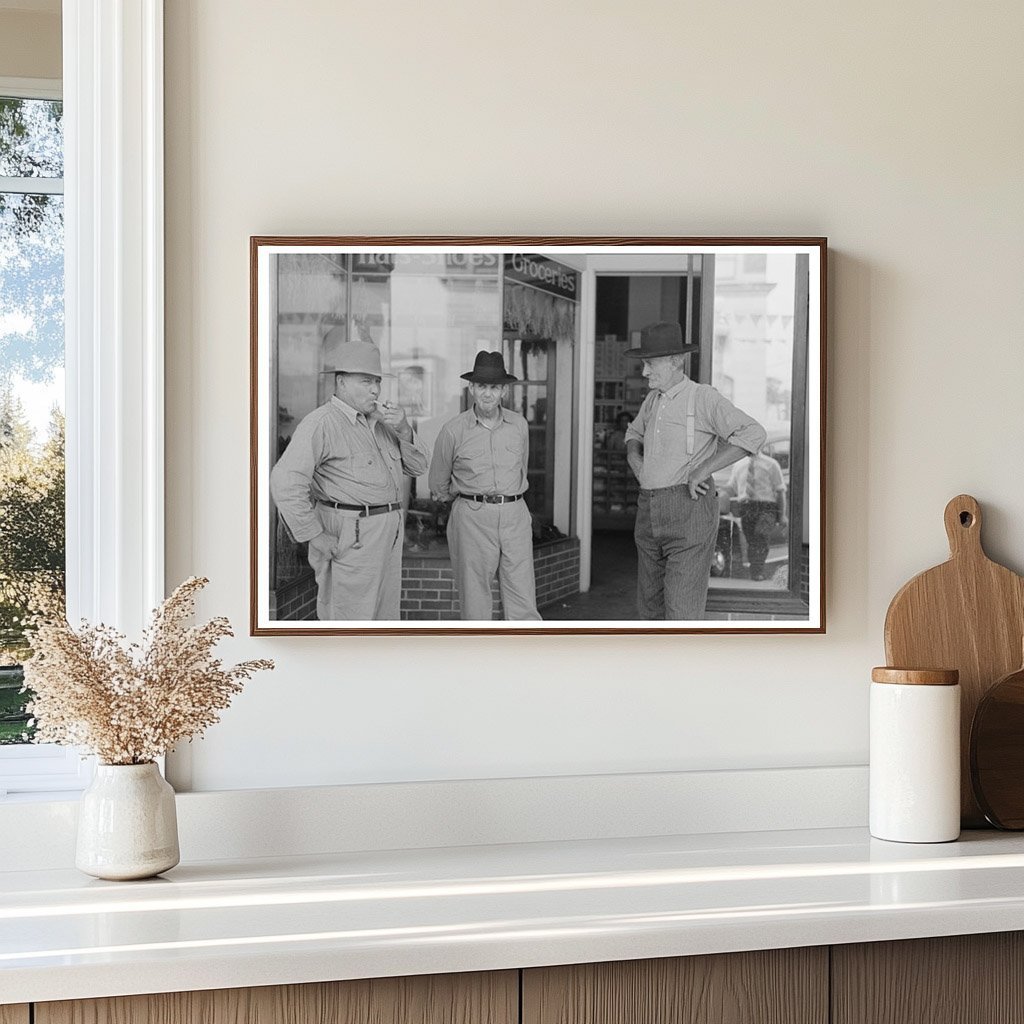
967,614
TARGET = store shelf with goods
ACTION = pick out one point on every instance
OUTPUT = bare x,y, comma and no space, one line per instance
610,359
614,492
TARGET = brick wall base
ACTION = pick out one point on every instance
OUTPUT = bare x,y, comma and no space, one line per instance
428,585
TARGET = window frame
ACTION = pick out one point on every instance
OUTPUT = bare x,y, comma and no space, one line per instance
114,336
42,767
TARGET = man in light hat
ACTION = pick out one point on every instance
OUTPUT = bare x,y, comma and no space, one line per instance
683,433
479,462
338,486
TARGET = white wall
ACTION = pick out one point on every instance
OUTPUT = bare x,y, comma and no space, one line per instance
894,129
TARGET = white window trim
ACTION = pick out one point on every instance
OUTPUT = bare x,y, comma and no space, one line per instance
32,88
114,326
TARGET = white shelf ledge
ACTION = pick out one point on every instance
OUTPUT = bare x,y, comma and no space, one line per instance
231,923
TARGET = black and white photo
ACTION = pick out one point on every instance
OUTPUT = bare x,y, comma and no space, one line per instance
537,434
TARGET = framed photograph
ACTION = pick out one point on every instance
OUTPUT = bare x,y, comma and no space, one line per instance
537,435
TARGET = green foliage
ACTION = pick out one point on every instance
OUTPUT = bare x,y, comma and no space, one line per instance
14,727
31,524
31,138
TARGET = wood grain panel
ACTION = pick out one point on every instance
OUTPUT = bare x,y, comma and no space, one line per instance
481,998
967,614
14,1014
778,986
962,979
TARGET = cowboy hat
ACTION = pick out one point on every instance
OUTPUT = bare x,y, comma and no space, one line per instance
356,357
489,368
661,339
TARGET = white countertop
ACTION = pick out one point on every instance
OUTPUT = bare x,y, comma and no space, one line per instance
225,924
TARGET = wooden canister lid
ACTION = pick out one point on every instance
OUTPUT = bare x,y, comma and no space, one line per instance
916,676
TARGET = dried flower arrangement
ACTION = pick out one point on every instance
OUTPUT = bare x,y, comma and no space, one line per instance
130,704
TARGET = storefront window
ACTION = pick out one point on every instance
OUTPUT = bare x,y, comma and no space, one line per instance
430,314
312,301
753,365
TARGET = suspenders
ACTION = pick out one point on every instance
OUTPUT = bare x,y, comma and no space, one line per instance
691,419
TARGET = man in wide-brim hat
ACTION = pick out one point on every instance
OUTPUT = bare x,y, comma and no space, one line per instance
479,464
339,486
683,433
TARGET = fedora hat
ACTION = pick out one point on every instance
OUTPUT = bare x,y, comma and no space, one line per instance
489,368
661,339
356,357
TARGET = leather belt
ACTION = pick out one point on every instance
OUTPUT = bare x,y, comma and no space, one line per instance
493,499
364,510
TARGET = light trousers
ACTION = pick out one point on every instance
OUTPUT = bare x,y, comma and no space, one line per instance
364,579
487,540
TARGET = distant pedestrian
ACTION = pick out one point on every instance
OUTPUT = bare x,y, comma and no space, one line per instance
616,440
758,483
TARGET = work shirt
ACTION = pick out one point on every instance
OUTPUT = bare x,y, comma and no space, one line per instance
758,478
469,458
661,427
338,454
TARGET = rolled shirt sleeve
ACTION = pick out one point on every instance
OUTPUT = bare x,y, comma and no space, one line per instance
292,477
414,455
733,425
440,479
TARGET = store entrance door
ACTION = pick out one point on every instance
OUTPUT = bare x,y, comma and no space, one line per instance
623,305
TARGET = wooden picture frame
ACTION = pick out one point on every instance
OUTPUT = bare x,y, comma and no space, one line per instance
563,313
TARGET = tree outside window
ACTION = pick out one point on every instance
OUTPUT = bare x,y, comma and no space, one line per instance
31,385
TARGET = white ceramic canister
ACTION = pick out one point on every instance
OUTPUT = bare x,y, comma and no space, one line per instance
915,755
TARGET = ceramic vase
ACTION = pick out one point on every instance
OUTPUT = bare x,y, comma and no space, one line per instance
127,825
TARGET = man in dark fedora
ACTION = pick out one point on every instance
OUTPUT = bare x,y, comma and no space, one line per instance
682,434
338,486
479,463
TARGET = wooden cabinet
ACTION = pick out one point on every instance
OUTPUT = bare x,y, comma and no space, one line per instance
962,979
776,986
491,998
973,979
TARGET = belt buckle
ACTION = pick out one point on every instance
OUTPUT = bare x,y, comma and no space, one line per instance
366,510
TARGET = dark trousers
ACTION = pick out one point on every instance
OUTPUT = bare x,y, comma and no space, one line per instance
675,537
758,519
